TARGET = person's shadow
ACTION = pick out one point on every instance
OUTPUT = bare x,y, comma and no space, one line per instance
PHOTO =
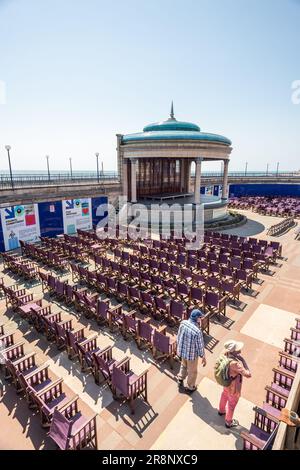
207,413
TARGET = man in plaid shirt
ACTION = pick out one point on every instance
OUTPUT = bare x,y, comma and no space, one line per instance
190,346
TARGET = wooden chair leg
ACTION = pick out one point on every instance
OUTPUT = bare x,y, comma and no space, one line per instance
131,404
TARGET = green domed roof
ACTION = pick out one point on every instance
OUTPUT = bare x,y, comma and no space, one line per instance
171,129
171,125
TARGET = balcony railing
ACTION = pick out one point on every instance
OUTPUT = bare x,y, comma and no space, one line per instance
19,180
251,174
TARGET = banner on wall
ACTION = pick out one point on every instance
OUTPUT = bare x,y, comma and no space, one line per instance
209,190
77,214
20,223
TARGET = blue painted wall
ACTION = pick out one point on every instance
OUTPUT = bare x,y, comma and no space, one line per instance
1,238
96,202
237,190
216,190
51,218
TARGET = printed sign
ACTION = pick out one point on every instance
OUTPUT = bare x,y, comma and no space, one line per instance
20,223
216,190
220,212
77,214
209,190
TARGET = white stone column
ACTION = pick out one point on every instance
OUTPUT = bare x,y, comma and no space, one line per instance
188,175
133,179
125,178
198,162
182,175
119,157
225,180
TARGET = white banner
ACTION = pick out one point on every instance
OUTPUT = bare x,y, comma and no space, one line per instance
20,223
209,190
220,212
77,214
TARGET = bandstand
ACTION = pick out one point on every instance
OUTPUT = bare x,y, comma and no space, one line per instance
155,165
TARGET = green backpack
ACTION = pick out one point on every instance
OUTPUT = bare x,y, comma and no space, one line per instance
222,371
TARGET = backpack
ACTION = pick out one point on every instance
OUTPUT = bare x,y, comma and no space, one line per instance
222,371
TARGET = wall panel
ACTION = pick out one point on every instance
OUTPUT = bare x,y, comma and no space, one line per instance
50,215
238,190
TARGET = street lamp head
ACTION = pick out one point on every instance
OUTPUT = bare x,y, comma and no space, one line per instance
47,156
97,154
8,147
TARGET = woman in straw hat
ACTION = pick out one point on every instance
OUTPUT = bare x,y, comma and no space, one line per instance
237,370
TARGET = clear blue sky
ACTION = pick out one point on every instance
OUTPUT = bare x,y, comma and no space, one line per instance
78,72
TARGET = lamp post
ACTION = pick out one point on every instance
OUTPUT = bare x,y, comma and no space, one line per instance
102,173
47,158
277,169
8,147
267,169
71,171
246,168
97,157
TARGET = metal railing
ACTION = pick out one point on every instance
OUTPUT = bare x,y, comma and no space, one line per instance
20,180
251,174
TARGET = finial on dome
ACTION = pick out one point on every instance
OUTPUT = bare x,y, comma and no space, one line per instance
172,111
